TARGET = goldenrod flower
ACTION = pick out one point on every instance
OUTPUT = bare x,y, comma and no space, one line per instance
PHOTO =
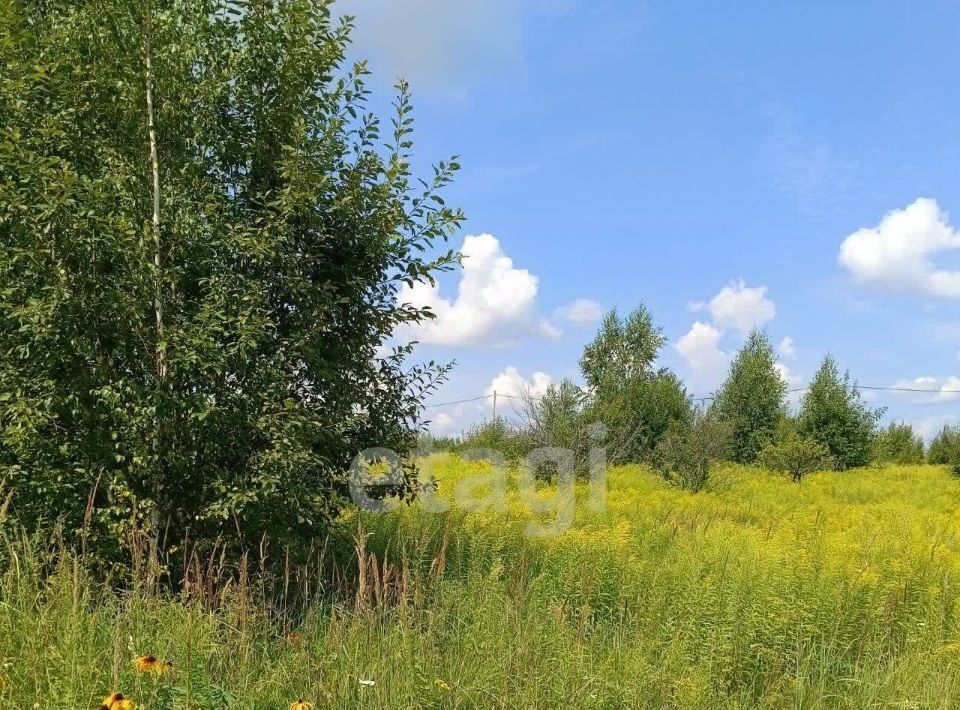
152,664
117,701
442,685
301,705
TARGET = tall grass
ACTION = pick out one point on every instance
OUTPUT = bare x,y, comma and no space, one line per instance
841,592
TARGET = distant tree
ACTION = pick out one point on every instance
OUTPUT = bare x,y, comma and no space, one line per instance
753,398
898,444
688,451
834,414
623,350
203,235
634,401
794,455
556,419
945,448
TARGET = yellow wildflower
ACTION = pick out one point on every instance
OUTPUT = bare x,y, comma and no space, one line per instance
301,704
152,664
117,701
442,685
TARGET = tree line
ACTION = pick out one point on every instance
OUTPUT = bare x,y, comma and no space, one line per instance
647,416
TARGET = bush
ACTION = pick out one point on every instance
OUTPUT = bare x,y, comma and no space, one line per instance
557,419
945,448
898,444
686,454
834,414
497,434
795,456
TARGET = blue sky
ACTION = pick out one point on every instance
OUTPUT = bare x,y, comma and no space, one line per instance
792,165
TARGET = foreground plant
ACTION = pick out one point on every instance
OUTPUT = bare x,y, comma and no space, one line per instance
117,701
203,235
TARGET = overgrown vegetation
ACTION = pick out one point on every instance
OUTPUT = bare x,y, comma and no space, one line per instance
898,443
762,594
795,455
945,448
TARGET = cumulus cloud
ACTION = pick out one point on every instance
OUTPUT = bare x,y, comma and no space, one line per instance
443,423
511,384
787,348
700,349
898,253
495,303
739,306
929,390
581,311
929,427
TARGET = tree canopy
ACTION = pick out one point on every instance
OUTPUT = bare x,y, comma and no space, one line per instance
834,414
753,398
203,230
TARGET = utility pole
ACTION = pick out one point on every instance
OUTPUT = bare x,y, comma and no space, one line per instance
494,405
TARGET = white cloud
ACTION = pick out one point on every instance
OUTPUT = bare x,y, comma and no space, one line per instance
787,348
897,253
935,390
510,384
443,423
495,303
739,306
793,382
582,311
789,377
699,348
929,427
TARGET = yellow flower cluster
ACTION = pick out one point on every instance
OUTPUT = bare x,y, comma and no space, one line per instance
152,664
117,701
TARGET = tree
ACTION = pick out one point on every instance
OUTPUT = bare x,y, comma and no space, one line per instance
945,448
753,398
636,403
834,414
795,456
202,240
898,444
622,351
687,453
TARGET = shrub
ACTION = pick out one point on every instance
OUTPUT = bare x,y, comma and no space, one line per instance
795,456
497,435
686,454
834,414
945,448
898,444
752,399
557,419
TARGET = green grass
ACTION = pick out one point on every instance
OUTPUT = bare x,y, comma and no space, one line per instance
840,592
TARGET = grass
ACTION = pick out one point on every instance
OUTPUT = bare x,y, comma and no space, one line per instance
840,592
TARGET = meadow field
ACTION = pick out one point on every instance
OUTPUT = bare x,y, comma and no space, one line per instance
840,592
